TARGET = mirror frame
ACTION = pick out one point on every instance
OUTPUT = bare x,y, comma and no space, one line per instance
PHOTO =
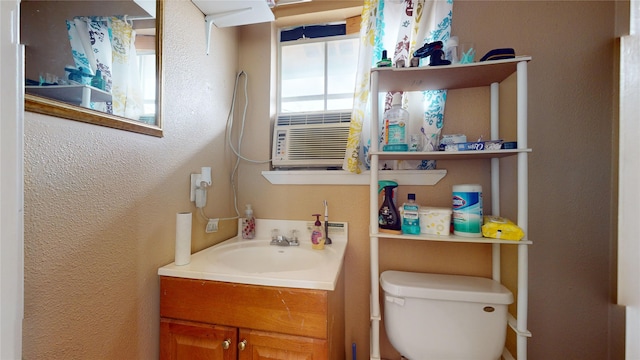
46,106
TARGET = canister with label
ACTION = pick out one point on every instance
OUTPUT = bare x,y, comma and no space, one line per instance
467,210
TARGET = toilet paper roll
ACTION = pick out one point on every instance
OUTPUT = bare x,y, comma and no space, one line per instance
183,238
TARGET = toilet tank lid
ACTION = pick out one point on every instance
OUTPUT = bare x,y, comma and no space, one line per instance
444,287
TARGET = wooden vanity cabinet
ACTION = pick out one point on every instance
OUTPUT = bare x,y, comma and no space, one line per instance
267,345
190,340
199,318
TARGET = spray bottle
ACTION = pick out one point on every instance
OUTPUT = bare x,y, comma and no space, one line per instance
388,216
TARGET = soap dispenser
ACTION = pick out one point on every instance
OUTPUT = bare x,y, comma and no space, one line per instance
248,223
317,234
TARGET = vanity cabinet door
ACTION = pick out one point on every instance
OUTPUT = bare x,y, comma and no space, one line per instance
185,340
262,345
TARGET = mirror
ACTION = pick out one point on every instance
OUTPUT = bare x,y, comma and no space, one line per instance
68,74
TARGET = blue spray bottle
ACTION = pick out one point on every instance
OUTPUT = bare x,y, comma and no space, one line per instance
388,217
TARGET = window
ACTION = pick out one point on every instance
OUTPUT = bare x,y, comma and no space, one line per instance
317,68
147,67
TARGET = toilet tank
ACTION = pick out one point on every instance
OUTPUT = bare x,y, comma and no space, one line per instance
437,316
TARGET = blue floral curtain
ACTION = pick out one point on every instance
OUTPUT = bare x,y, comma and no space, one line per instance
108,45
400,27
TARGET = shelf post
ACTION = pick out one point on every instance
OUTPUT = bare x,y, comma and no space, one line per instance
373,222
495,174
523,215
86,97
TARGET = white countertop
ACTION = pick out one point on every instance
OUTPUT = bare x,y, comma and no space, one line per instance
311,269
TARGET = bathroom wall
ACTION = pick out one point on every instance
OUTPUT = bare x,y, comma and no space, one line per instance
570,129
100,204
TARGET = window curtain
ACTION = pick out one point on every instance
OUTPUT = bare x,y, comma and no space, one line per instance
108,45
400,27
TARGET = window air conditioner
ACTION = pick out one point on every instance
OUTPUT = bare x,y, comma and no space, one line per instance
310,140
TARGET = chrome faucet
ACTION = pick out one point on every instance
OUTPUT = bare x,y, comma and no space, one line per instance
281,240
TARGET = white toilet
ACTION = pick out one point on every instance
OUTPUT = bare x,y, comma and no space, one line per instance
445,317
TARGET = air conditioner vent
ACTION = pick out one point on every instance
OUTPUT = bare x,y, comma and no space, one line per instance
317,143
313,118
310,139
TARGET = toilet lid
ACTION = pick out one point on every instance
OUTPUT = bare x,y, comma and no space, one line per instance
445,287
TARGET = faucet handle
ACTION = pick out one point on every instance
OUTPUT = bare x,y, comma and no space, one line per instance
293,239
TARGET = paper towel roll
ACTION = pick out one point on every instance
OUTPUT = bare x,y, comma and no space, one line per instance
183,238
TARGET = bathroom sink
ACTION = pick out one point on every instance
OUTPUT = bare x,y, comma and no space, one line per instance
258,256
257,262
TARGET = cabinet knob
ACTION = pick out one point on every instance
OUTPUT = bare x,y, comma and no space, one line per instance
242,345
226,344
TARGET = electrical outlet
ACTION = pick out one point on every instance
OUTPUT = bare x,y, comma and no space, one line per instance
212,226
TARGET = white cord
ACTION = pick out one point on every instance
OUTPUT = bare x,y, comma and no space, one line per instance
207,218
244,116
229,131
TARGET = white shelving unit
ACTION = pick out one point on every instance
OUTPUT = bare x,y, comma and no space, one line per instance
458,76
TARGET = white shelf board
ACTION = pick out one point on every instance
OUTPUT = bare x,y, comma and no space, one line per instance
455,76
225,13
451,238
447,155
68,93
342,177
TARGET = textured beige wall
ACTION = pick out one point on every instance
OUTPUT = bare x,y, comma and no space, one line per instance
100,204
570,127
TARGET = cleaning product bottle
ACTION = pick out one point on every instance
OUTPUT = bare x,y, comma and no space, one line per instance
451,50
395,121
388,217
317,234
97,81
411,216
248,224
385,61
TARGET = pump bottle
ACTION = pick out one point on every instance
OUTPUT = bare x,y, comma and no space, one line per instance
248,224
317,234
